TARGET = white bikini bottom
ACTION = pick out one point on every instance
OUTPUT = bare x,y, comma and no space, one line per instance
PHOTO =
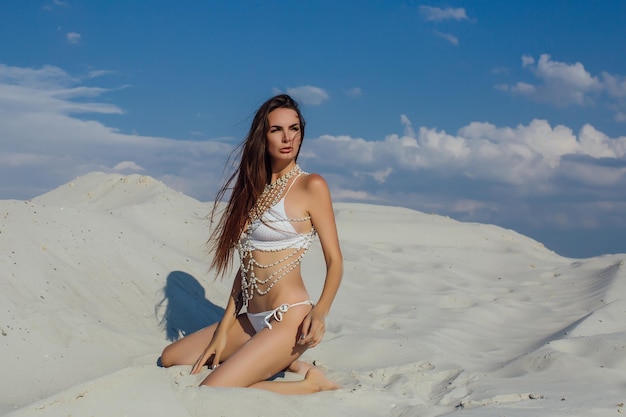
262,319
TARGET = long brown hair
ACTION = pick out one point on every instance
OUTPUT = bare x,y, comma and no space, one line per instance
253,173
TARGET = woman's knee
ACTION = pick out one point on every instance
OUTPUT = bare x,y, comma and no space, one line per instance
166,359
171,356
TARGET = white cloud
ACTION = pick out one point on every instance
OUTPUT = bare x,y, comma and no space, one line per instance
354,92
450,38
19,98
596,144
46,76
470,206
562,84
381,175
502,87
408,127
73,38
42,145
574,75
614,85
308,94
56,3
99,73
341,194
483,172
436,14
22,159
522,89
520,174
527,60
128,166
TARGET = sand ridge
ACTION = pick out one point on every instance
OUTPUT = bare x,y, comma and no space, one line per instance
434,316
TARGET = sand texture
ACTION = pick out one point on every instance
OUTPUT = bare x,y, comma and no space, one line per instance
434,317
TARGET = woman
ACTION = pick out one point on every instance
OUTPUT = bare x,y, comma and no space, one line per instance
274,212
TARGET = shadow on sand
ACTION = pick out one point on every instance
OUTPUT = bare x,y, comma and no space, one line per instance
186,308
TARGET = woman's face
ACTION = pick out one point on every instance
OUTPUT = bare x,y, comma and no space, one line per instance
283,135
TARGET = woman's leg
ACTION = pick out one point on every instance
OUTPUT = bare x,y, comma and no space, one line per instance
300,367
266,354
187,350
314,381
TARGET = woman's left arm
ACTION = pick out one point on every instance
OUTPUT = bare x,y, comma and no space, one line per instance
323,219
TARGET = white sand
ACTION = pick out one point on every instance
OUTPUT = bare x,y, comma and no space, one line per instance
434,316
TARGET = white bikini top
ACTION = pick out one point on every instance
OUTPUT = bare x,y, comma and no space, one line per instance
272,233
275,231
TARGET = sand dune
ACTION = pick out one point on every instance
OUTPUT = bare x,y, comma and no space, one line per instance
434,316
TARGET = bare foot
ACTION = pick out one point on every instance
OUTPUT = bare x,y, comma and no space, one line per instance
317,379
299,367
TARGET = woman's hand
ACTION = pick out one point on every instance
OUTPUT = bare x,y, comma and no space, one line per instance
215,348
313,328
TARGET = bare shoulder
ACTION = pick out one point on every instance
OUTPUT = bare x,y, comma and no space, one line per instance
309,194
320,208
318,196
315,184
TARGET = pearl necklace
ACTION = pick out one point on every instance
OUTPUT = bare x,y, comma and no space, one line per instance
272,193
250,283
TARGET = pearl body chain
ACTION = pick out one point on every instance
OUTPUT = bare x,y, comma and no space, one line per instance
298,243
251,284
272,193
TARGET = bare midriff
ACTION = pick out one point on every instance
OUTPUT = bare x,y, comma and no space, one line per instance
289,289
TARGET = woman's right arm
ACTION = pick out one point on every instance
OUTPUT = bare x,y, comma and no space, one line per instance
218,341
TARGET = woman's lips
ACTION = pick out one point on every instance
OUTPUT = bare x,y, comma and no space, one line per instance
285,150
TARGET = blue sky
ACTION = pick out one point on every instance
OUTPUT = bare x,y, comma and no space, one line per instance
503,112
